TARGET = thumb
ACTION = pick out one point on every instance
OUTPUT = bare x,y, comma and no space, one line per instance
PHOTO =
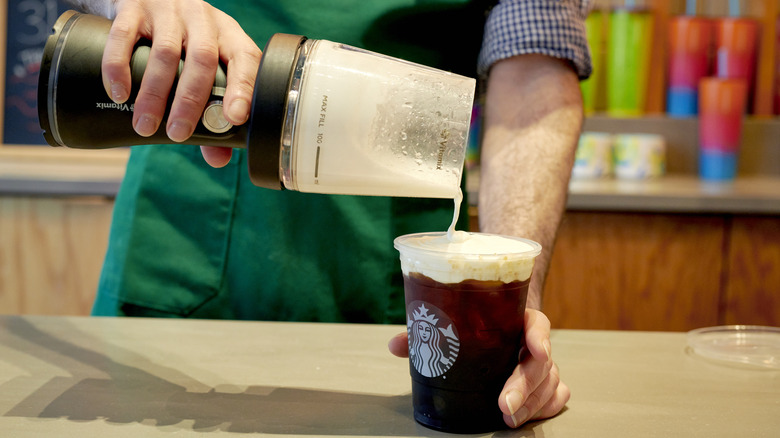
399,345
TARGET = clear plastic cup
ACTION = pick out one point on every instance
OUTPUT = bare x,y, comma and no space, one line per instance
465,305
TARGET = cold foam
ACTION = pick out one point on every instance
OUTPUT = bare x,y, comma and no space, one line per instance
468,256
368,124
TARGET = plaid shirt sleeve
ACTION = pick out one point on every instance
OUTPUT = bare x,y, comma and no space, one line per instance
548,27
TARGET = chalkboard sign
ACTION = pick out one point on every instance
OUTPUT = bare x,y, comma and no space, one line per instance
30,22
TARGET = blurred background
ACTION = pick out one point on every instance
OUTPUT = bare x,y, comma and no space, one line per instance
673,219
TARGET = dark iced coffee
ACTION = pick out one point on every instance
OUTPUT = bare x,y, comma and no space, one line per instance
465,302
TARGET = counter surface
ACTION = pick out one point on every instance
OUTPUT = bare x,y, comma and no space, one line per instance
122,377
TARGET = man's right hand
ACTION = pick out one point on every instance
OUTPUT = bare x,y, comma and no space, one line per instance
207,35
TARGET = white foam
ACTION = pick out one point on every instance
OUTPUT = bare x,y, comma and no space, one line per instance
367,124
468,256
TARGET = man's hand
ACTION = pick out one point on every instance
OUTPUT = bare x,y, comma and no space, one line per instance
208,35
534,390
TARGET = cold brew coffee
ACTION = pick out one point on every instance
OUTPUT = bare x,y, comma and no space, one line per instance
465,303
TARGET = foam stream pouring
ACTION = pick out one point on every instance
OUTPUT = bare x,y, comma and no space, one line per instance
325,118
453,235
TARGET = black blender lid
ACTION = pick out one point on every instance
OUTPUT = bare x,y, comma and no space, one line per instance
47,86
269,108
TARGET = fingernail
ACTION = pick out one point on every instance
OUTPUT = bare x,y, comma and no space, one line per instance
547,348
118,92
514,400
146,125
239,110
180,130
520,416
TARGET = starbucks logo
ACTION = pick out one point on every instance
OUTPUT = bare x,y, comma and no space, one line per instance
433,341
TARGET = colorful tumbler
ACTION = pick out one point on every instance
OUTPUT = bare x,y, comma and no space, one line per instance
736,49
777,67
592,88
690,40
628,61
722,104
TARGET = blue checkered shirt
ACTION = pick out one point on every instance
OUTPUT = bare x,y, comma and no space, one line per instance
548,27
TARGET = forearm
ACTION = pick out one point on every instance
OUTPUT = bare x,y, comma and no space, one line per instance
533,118
103,8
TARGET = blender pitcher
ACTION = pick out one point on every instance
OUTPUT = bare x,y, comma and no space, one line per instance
326,117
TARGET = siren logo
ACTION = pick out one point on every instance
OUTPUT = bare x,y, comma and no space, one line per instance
433,341
114,105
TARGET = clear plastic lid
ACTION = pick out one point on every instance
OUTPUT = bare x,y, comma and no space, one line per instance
746,344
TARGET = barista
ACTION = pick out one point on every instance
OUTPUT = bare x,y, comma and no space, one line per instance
191,240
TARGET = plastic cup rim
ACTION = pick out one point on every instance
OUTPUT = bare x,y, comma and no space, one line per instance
398,243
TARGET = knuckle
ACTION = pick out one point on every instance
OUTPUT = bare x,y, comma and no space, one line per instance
555,378
166,49
153,96
248,55
189,101
121,31
548,366
252,53
113,66
247,75
554,370
534,401
205,56
549,363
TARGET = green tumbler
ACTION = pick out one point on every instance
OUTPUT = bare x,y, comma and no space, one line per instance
628,61
593,87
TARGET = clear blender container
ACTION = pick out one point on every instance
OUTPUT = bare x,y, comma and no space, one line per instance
358,122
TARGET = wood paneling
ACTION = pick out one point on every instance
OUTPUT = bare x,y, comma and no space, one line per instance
752,294
765,12
635,271
657,78
609,270
51,252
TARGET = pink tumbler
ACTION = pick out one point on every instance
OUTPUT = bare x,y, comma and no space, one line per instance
690,41
722,105
736,49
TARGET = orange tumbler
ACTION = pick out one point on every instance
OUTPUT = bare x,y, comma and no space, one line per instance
690,45
736,48
722,104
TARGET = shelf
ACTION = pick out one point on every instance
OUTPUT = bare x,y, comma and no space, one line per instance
759,153
677,194
755,191
48,171
667,194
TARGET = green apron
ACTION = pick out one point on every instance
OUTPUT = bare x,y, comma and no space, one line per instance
188,240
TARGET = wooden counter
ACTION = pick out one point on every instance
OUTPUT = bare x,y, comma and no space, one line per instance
100,377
